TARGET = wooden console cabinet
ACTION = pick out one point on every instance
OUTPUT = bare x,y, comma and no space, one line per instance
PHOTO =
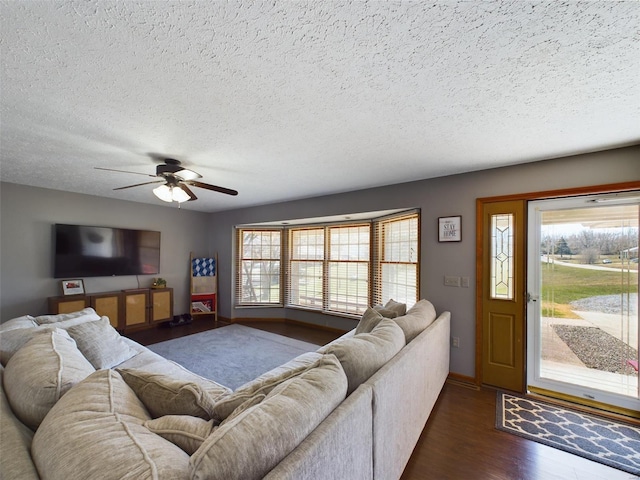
127,310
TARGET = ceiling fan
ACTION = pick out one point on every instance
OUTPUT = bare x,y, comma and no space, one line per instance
175,180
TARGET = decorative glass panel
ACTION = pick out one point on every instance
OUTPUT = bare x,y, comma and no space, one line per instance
502,256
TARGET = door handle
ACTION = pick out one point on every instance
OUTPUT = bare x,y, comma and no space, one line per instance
532,298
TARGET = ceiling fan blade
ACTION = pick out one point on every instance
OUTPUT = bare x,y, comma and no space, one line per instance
188,191
123,171
140,184
215,188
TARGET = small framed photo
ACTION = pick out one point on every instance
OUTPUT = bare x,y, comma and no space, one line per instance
72,287
449,229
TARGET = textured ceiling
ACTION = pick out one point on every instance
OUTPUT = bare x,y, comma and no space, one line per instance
282,100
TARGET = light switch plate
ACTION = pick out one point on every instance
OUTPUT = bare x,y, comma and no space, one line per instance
450,281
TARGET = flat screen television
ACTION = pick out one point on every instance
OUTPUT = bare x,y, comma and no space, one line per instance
88,251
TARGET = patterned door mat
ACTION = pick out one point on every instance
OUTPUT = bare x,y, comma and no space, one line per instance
611,443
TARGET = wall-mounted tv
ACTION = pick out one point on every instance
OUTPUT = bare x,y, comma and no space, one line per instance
88,251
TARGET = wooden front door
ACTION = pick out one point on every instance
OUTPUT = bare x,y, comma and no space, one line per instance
502,293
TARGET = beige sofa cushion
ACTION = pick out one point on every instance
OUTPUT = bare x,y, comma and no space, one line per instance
254,442
418,317
164,394
96,431
26,321
11,340
362,355
87,314
41,372
185,431
15,441
265,383
101,343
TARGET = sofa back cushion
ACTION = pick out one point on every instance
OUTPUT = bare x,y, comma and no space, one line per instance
252,443
41,372
87,314
265,383
15,459
363,354
417,318
96,431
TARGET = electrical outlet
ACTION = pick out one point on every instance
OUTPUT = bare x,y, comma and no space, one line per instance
451,281
455,341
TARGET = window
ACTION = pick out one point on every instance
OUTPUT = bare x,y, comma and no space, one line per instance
306,267
258,267
348,269
397,262
336,268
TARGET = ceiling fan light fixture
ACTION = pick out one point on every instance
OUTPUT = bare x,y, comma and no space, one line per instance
179,195
163,192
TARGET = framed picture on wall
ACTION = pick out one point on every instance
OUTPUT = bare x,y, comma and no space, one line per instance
449,229
72,287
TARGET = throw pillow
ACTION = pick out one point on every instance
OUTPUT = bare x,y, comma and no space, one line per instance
397,307
185,431
265,383
370,318
101,343
88,312
419,317
385,312
255,441
41,372
165,395
362,355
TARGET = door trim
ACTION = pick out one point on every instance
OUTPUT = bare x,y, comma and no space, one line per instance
542,195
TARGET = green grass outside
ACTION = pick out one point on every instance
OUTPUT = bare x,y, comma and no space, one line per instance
562,285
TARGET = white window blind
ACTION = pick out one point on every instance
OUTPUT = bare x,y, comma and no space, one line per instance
258,267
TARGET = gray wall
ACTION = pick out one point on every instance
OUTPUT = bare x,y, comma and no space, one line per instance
26,216
445,196
26,240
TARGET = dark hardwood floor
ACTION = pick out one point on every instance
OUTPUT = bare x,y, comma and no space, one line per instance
460,440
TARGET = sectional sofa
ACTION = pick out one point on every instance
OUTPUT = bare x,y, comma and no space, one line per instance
80,401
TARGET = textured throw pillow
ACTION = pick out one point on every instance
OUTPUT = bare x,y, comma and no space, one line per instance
250,445
185,431
101,343
370,318
25,321
41,372
89,314
419,317
385,312
362,355
265,383
96,431
397,307
165,395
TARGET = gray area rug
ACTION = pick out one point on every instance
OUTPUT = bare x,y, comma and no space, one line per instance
232,355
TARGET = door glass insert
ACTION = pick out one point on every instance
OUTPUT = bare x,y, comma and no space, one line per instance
502,256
